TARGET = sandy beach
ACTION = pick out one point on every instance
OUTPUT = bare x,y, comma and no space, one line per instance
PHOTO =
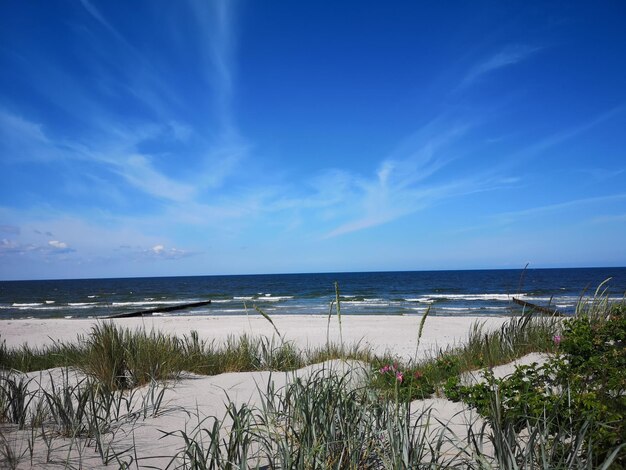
394,334
193,399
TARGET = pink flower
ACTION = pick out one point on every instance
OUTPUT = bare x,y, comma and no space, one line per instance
384,369
399,376
418,375
557,339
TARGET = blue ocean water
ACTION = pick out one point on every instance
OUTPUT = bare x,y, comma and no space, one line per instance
481,292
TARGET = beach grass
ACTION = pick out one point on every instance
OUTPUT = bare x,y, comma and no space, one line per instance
122,358
324,420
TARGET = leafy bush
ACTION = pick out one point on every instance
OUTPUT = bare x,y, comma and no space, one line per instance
582,386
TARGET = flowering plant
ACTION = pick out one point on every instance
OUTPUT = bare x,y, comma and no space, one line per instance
408,384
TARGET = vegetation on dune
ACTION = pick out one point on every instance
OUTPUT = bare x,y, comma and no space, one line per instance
566,413
582,389
483,349
122,358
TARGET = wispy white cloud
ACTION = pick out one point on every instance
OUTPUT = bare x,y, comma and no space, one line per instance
139,172
382,206
155,252
217,28
180,131
57,244
422,154
550,208
221,162
59,247
10,247
568,134
95,13
216,24
21,139
118,155
506,57
11,124
140,77
405,182
160,251
541,146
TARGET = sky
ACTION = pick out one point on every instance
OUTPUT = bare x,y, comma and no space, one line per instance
198,137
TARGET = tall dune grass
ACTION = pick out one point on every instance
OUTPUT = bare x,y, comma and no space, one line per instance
122,358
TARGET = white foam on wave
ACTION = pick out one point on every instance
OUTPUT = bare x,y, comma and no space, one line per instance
561,298
504,297
44,307
38,307
49,302
418,309
244,297
81,304
35,304
143,302
369,303
569,298
468,309
278,298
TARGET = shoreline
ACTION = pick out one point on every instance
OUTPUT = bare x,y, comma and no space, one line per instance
382,333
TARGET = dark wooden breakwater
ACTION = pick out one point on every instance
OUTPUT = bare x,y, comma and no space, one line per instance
173,308
537,308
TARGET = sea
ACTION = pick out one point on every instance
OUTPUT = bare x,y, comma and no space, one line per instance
456,293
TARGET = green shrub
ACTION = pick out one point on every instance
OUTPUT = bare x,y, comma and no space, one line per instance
582,386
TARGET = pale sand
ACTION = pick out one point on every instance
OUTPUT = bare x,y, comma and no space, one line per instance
499,372
194,398
394,334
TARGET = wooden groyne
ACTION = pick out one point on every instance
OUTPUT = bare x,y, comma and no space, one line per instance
173,308
537,308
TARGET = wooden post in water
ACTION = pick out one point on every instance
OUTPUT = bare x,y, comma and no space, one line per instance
141,313
537,308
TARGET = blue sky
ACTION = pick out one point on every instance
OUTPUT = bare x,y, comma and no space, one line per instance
228,137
